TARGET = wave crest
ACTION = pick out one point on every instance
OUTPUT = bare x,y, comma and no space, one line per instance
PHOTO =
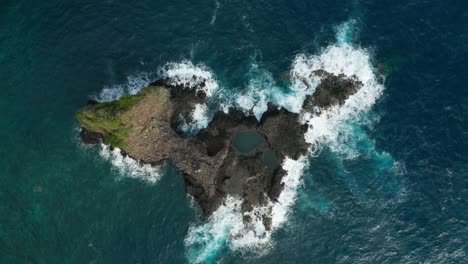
188,75
134,84
129,167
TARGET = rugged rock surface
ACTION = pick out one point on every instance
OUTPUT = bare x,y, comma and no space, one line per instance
214,162
332,90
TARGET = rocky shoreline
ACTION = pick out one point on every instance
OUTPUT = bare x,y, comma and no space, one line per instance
216,161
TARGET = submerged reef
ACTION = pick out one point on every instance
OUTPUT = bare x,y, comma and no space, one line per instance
235,154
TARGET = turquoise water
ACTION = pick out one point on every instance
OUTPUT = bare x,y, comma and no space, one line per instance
391,189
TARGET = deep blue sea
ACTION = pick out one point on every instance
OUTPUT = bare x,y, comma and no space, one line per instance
387,181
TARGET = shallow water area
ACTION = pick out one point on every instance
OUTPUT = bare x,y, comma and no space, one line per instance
269,158
247,142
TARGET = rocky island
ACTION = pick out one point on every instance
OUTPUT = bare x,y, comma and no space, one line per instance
234,155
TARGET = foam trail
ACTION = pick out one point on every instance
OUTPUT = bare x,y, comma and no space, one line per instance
346,32
127,166
215,13
134,84
205,242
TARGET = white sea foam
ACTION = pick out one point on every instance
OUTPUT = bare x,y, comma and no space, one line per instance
335,127
198,77
188,75
200,116
134,84
129,167
292,180
262,89
200,119
206,241
257,93
225,227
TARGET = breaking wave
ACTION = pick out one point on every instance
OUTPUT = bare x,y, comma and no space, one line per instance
198,77
129,167
333,127
134,84
339,128
188,75
225,227
185,74
262,89
206,241
201,117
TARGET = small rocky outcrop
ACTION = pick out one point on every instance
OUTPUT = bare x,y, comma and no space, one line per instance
234,155
332,90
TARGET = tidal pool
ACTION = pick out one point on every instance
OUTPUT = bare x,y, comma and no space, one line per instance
247,141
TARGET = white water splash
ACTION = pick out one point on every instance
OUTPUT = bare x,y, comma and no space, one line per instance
292,180
206,241
225,227
200,119
129,167
200,116
198,77
188,75
332,128
262,88
134,84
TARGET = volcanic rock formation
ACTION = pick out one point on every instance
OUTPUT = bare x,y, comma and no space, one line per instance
234,155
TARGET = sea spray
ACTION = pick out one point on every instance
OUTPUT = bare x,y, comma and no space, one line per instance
334,128
291,181
199,77
206,241
134,84
185,74
129,167
226,228
263,89
188,75
201,117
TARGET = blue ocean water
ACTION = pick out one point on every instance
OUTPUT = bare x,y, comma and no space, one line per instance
391,189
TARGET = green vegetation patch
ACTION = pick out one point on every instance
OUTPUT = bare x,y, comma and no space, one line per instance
106,118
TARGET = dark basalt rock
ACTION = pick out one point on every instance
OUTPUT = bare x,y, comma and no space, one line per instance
90,137
332,90
209,161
